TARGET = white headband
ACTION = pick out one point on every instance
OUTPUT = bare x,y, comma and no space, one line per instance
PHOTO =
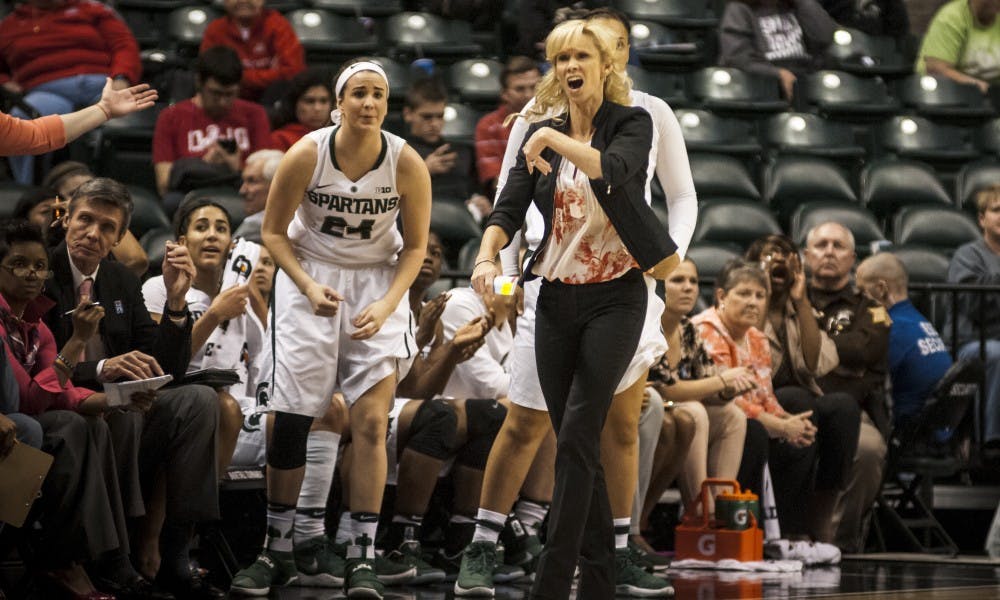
335,114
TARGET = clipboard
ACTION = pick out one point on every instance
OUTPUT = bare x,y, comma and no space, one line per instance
21,477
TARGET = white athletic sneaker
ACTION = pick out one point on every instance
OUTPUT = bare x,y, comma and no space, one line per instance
810,553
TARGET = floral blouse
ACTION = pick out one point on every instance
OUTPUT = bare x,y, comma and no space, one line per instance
695,363
727,354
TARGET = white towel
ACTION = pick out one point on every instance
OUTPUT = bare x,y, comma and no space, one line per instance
730,564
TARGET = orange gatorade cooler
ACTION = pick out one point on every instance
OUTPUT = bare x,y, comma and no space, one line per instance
734,532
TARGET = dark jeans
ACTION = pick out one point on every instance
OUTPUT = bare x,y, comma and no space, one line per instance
825,466
585,338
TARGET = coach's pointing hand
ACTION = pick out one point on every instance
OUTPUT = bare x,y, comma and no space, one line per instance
370,320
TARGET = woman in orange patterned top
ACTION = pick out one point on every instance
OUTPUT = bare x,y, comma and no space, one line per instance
807,449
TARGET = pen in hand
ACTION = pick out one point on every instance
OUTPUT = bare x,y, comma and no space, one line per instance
69,312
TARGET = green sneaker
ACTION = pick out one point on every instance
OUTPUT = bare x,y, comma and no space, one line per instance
503,572
410,553
650,561
632,580
475,577
360,579
319,564
270,569
394,571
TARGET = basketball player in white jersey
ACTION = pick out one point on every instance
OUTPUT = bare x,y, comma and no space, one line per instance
341,320
527,422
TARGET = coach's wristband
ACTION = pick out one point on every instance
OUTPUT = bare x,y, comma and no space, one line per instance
176,313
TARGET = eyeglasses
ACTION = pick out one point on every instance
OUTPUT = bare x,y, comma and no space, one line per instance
24,272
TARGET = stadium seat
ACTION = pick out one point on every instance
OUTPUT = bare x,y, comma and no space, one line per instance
923,264
937,97
722,177
685,14
477,81
888,184
453,223
665,49
738,222
810,135
152,5
988,138
973,177
186,25
324,34
146,25
858,220
467,255
417,34
399,78
154,244
841,95
667,86
282,6
367,8
731,91
793,180
920,139
460,123
124,148
710,258
147,212
228,197
868,56
942,228
706,132
10,193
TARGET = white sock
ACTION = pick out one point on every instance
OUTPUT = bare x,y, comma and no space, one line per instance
365,524
345,530
489,524
621,532
321,459
531,514
280,520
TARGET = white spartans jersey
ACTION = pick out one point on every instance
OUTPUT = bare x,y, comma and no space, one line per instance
344,222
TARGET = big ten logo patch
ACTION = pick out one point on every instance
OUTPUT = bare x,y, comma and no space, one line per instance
242,267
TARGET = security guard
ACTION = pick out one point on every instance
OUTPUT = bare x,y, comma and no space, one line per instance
860,329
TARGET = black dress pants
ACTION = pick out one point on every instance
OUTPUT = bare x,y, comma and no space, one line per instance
585,338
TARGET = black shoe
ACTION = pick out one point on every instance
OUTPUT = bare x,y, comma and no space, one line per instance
192,588
138,589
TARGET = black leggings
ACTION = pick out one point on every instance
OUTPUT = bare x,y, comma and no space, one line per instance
585,338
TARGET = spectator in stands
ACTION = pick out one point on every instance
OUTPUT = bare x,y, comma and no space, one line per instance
45,208
258,171
219,294
918,357
963,43
263,38
204,140
79,512
859,329
979,262
305,107
452,165
687,378
171,448
22,136
66,176
874,17
777,38
800,353
518,80
60,54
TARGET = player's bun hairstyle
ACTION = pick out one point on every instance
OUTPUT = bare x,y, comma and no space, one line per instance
182,218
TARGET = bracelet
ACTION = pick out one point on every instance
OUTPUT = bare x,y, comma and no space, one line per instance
485,260
104,110
176,313
60,358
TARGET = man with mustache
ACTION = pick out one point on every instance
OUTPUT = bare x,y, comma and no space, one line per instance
859,327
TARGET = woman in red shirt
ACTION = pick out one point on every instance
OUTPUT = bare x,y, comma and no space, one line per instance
305,107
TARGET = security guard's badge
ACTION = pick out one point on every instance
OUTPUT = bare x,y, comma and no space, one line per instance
880,315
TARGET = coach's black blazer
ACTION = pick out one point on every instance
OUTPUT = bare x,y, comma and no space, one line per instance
126,325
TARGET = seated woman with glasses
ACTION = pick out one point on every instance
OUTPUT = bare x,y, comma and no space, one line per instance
79,515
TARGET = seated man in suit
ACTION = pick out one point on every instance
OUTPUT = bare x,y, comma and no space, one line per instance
166,458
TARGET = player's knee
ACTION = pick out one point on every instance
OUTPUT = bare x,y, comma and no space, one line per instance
526,426
369,426
335,418
432,430
230,412
287,448
483,421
